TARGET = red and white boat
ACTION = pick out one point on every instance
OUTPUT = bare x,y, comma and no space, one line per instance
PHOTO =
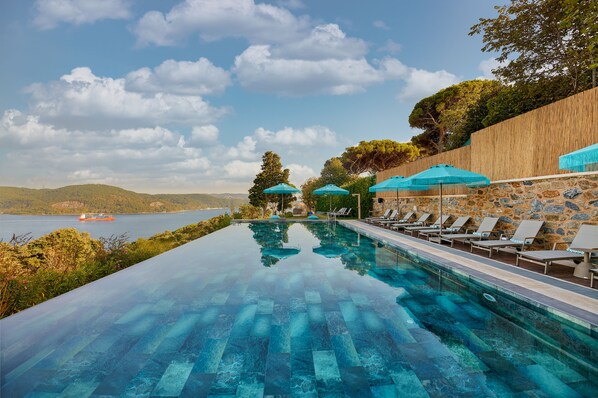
96,217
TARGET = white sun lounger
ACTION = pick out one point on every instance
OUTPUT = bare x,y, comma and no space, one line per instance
524,236
483,232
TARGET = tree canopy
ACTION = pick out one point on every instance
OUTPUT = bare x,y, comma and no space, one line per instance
271,174
377,155
333,172
442,116
539,40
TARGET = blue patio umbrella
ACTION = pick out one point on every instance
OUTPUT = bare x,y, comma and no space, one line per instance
330,190
330,250
281,189
445,174
396,183
584,159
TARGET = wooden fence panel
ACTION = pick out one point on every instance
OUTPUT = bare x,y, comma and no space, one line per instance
528,145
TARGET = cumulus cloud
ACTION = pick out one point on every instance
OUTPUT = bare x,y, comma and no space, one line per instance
204,135
309,136
180,77
258,70
81,99
49,13
245,149
324,42
421,83
242,169
390,47
217,19
299,173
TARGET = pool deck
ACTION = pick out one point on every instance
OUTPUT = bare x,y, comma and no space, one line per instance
569,300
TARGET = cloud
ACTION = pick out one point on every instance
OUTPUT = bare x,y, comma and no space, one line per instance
299,173
202,135
82,100
180,77
390,47
421,83
380,25
49,13
241,169
245,149
258,70
486,66
324,42
214,20
309,136
292,4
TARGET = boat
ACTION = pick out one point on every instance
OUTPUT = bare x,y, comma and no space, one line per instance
96,217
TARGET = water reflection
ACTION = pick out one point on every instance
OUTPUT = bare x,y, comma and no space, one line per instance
273,239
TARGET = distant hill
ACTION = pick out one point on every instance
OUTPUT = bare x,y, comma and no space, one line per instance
95,198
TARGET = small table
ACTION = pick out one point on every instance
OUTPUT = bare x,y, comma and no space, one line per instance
582,270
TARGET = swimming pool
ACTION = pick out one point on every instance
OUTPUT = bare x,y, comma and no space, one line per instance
291,309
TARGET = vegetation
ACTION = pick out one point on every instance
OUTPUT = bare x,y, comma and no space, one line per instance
442,116
76,199
32,271
543,40
378,155
272,174
359,185
333,172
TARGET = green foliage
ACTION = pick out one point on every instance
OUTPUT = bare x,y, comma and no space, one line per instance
442,116
333,172
360,185
272,174
377,155
250,212
540,40
307,189
76,199
32,272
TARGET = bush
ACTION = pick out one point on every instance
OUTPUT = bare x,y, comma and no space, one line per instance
288,214
32,272
249,212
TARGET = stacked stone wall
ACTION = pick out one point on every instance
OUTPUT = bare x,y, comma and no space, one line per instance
563,203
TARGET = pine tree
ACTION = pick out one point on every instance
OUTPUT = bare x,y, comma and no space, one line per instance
272,174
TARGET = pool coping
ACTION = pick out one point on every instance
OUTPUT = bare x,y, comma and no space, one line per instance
574,303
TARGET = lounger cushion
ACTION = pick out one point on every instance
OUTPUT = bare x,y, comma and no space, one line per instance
547,255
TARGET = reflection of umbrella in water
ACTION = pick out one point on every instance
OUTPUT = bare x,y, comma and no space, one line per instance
280,253
330,250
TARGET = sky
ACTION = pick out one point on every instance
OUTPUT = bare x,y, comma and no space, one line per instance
185,96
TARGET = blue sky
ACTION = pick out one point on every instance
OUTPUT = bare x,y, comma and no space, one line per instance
186,95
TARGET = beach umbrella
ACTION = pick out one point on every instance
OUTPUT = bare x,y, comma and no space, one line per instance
584,159
281,189
330,250
396,183
330,190
445,174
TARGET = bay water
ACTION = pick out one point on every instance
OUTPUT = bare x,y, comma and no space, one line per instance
134,225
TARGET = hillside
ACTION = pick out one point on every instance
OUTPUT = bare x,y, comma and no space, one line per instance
76,199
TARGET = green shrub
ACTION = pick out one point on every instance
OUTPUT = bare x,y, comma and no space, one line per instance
249,212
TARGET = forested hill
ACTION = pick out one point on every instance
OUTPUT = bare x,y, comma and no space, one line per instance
76,199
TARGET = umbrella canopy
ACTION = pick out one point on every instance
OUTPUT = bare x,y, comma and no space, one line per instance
330,250
584,159
445,174
330,190
281,189
397,183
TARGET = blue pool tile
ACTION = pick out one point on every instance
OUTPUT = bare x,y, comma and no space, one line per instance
278,374
299,324
256,352
228,374
328,377
345,352
407,384
303,386
173,380
355,382
209,358
302,362
261,325
548,383
197,385
280,339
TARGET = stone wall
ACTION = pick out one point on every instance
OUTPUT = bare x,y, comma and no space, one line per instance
563,202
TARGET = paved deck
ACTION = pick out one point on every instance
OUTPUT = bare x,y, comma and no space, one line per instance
570,300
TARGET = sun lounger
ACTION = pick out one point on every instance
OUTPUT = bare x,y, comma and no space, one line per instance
420,222
437,225
483,232
587,237
336,213
391,218
455,227
396,220
345,213
383,217
524,236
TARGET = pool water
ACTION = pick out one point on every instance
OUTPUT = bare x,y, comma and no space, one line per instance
275,309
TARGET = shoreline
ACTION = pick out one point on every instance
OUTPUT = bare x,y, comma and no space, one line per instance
113,213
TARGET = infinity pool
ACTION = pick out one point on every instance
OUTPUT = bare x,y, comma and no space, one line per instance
270,309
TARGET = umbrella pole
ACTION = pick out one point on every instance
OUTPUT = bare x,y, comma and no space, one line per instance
440,207
398,210
282,209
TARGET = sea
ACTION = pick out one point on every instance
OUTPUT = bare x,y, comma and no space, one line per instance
134,225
